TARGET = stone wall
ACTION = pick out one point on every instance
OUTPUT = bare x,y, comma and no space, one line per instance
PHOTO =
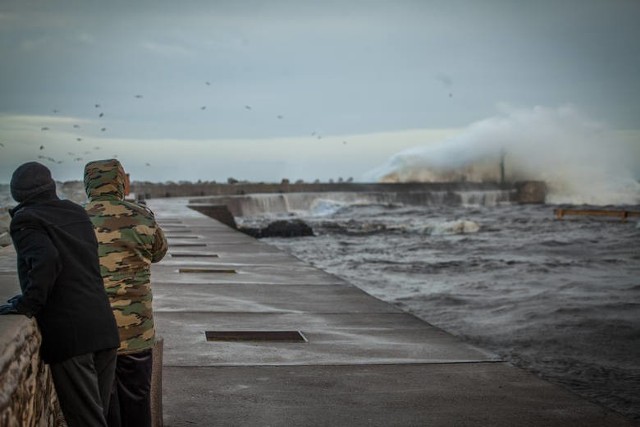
27,395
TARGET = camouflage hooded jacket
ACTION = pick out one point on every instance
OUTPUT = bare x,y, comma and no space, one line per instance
129,240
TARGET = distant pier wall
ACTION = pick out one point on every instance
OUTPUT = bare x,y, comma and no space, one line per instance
453,194
411,193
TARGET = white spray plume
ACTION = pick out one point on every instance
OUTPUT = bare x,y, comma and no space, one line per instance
580,160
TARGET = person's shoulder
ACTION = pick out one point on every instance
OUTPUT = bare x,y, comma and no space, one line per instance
23,217
71,205
140,210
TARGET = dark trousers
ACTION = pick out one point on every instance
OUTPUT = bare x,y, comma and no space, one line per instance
130,404
83,385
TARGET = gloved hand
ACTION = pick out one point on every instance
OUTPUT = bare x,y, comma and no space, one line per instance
8,309
14,299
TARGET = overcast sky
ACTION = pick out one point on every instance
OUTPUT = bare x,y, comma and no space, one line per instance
264,90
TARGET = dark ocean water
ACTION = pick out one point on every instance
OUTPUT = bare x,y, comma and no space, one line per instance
560,298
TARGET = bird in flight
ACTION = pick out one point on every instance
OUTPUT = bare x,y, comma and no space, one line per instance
204,107
101,114
42,147
248,107
103,129
44,128
138,96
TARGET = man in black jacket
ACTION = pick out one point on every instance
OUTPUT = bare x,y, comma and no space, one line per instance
59,274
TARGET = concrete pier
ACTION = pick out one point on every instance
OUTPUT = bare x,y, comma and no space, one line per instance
343,357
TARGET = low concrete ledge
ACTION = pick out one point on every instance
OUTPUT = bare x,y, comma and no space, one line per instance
156,384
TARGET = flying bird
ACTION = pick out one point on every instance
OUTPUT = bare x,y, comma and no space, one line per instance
97,105
1,144
248,107
51,159
78,139
54,111
138,96
44,128
207,83
103,129
101,114
280,116
204,107
76,126
147,164
42,147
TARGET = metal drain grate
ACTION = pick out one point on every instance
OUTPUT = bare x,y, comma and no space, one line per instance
271,336
193,255
207,270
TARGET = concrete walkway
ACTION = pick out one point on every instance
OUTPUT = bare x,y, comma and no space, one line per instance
324,352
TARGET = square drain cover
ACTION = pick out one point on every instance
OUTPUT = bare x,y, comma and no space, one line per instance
271,336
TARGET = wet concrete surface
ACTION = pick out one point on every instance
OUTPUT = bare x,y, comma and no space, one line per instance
364,362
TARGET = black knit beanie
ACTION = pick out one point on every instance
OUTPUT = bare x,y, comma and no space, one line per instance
29,180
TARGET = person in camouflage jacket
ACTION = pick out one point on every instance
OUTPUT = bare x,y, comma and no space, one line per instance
129,240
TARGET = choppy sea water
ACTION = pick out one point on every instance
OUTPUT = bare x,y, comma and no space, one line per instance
560,298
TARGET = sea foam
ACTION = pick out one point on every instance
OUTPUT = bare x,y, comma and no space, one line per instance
581,160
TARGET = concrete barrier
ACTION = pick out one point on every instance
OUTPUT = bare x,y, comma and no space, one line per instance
156,384
27,395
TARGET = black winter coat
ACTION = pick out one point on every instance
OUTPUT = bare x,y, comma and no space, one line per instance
59,274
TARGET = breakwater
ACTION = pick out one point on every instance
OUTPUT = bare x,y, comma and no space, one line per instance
451,194
516,192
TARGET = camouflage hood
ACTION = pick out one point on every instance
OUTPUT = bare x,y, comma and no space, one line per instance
104,179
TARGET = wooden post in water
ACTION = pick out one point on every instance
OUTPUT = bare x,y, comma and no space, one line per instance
503,153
